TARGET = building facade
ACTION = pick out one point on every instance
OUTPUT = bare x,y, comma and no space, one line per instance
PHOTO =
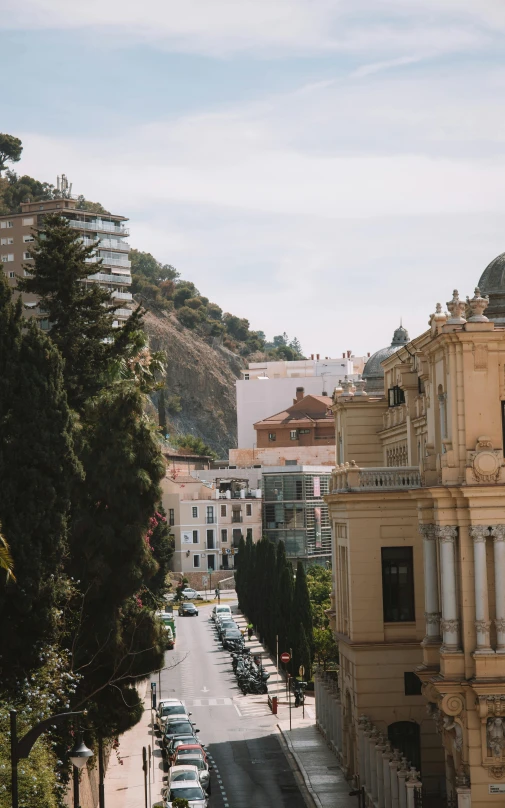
17,234
417,505
308,422
266,387
295,512
208,519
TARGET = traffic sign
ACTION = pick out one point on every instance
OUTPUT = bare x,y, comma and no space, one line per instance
211,570
285,657
205,580
301,670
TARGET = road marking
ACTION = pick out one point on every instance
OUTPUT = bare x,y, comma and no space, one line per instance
205,689
238,711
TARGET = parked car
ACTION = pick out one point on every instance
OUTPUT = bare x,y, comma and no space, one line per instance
192,792
192,749
189,758
231,636
188,610
177,741
219,610
183,774
223,622
190,594
177,727
167,709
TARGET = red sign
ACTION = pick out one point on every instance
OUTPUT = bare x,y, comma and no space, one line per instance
285,657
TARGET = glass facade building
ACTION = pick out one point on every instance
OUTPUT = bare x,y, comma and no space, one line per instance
294,511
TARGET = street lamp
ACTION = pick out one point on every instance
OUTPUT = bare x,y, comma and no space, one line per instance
21,749
79,755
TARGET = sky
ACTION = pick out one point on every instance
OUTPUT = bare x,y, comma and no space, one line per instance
323,168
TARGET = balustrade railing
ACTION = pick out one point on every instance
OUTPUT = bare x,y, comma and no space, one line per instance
350,477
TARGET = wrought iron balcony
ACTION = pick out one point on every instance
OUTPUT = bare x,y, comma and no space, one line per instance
237,517
353,478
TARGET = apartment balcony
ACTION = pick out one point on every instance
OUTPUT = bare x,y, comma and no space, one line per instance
353,478
109,261
107,244
122,314
211,520
99,226
103,277
115,295
237,518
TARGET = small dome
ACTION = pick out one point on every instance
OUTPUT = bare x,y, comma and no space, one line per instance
492,283
373,372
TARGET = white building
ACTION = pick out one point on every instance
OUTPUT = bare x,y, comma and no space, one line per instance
269,387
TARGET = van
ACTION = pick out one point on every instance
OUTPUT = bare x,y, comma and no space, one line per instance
220,610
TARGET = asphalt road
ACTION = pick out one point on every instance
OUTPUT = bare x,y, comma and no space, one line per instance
250,769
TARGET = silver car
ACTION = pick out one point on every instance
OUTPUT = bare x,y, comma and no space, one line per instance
191,792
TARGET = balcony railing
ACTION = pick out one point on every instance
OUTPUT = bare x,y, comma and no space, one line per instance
99,226
209,520
122,313
353,478
237,517
121,295
124,280
108,244
109,261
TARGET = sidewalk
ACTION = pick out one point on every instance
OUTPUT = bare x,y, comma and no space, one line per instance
124,783
324,779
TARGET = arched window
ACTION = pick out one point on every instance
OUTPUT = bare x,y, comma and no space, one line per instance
406,736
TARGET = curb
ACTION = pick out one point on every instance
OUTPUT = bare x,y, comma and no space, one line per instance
301,767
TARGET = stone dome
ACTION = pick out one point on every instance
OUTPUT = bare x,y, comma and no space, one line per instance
492,283
373,372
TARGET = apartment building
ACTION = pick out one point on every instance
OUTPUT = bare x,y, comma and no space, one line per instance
208,519
295,512
17,234
417,504
308,422
266,387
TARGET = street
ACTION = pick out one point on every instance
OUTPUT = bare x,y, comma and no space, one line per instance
250,769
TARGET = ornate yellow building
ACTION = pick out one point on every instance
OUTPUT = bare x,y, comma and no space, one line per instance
418,514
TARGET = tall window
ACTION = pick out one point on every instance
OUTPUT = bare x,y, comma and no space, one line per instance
224,535
194,511
272,436
293,434
248,509
223,510
196,561
171,516
210,540
195,536
210,514
249,534
398,584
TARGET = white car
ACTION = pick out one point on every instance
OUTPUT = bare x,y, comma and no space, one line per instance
220,610
170,708
183,774
191,594
192,792
199,762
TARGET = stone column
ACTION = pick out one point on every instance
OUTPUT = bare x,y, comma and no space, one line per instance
373,763
386,776
367,782
411,784
393,772
403,773
379,751
446,535
479,534
498,534
464,796
362,725
431,599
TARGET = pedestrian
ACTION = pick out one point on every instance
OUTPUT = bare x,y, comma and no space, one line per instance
250,630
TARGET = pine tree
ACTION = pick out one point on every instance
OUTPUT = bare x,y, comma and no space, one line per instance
38,469
81,321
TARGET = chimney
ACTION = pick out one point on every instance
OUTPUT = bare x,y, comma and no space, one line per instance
349,354
317,357
368,354
343,356
300,393
312,356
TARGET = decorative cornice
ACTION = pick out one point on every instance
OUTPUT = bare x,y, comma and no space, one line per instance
479,533
447,533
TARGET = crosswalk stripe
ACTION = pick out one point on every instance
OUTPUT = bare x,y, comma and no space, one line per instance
210,703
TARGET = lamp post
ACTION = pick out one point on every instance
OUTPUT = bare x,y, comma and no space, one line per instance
21,749
79,755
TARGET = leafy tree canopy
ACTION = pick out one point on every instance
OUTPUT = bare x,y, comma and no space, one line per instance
194,445
10,150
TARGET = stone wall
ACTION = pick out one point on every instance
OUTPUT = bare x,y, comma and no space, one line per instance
195,579
304,456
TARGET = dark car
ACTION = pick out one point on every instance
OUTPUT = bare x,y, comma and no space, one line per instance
232,638
177,727
188,610
177,741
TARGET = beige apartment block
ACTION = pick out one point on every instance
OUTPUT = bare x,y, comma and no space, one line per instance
107,230
418,610
208,519
284,456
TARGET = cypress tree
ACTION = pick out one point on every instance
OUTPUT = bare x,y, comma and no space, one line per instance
38,469
284,607
271,594
241,573
301,654
301,612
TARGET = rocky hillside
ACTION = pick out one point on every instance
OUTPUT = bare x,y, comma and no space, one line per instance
200,382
